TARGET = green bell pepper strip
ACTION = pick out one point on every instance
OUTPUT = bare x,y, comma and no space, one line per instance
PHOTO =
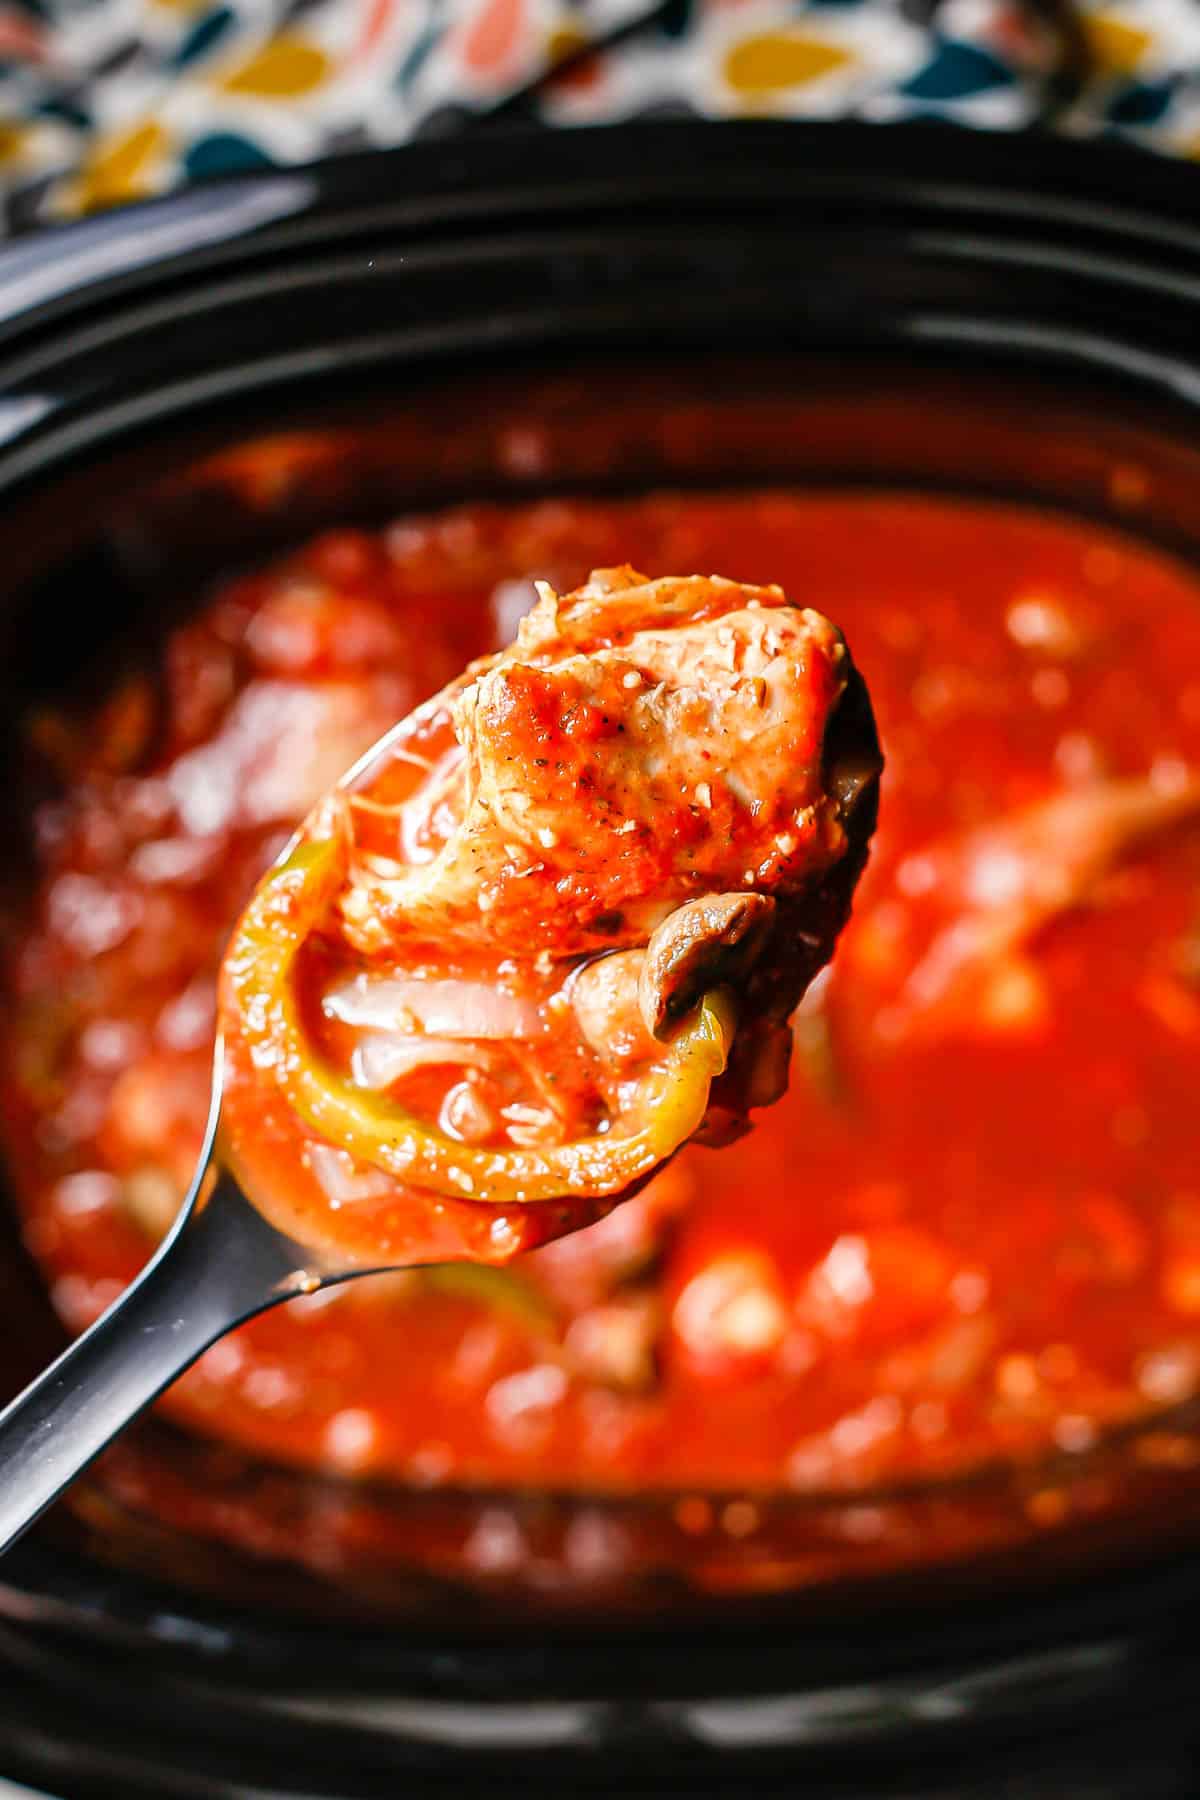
499,1290
669,1103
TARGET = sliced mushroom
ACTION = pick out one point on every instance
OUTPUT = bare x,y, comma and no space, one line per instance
701,944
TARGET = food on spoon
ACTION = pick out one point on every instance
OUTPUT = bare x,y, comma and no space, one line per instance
553,925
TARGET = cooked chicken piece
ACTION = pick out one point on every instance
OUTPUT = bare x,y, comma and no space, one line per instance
686,764
605,998
279,748
995,889
640,744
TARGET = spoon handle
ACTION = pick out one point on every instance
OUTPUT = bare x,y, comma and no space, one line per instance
220,1264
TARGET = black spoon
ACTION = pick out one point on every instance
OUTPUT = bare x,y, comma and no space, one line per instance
219,1265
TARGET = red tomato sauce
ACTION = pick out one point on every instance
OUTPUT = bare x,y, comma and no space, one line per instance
971,1229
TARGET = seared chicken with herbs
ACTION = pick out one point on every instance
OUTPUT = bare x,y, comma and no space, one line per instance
553,926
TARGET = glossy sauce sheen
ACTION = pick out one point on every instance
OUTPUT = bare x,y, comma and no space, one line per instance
968,1234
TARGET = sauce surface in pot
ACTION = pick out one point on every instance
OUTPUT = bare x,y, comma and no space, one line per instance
972,1227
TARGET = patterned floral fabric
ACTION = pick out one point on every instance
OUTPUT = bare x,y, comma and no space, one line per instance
104,101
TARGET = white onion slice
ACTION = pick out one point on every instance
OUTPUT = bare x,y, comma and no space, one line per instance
343,1179
449,1008
387,1055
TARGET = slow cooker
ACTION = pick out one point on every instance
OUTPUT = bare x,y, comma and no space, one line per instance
364,311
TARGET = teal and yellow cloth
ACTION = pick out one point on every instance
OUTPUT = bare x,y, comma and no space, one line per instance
103,101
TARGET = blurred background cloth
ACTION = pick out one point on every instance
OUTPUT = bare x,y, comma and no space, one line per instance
104,101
